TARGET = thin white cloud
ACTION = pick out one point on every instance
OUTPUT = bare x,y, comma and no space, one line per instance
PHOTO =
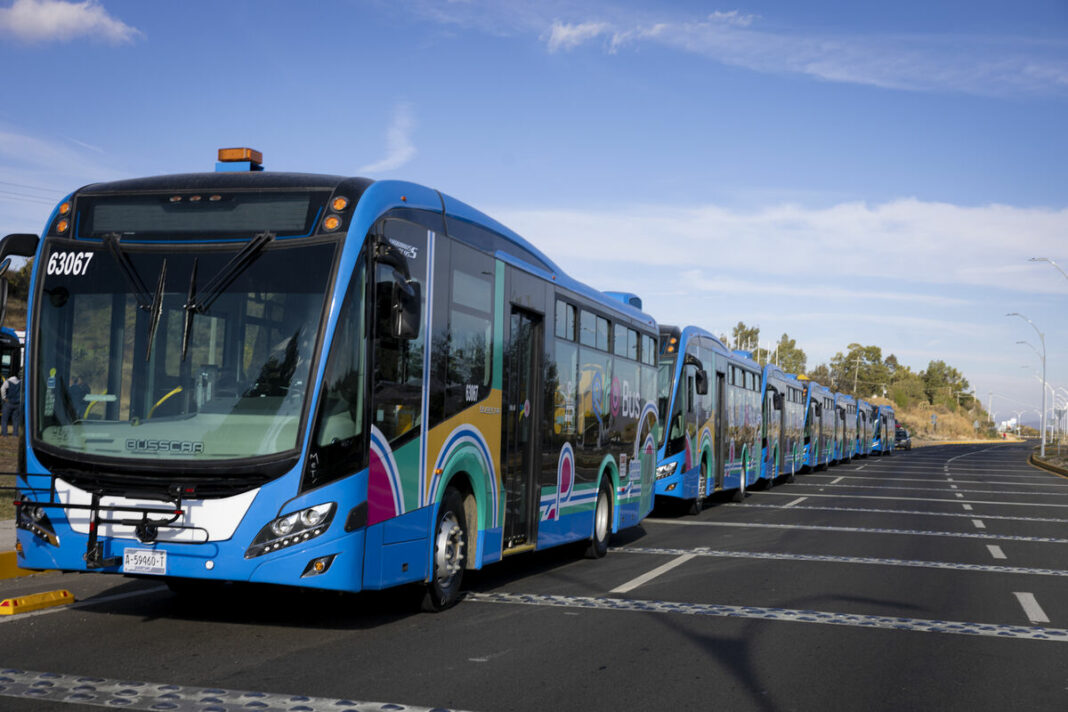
909,241
971,64
38,21
399,146
563,36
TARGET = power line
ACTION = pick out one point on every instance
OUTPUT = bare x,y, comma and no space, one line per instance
30,187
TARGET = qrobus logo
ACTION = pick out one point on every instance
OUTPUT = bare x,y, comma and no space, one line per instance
172,447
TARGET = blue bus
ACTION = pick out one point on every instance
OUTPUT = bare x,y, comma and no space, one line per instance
883,431
318,381
709,403
782,438
866,415
845,438
820,426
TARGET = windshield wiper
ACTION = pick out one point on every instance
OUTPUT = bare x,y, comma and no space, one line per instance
199,304
156,309
133,279
187,327
230,271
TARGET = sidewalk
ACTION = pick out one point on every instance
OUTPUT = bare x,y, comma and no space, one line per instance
7,535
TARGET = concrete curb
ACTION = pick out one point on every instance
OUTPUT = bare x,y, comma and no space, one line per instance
1048,467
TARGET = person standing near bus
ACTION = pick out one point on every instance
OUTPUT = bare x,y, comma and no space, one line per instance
11,394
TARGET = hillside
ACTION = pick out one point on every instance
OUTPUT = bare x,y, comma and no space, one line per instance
950,425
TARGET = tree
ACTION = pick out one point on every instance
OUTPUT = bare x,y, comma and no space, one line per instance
19,281
942,384
860,372
745,337
789,357
821,374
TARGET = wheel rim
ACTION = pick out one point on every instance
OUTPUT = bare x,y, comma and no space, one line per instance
448,549
601,523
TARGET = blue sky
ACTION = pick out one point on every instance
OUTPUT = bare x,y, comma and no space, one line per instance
840,171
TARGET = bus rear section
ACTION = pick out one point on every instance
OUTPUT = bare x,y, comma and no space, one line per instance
319,381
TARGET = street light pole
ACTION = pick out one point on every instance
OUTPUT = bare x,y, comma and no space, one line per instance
1055,265
1042,339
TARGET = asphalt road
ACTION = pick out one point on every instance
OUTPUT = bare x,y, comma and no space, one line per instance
932,579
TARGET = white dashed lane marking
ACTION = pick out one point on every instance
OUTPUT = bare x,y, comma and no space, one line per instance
978,524
995,551
647,577
863,560
1032,610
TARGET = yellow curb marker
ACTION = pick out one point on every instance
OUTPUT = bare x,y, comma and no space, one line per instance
35,602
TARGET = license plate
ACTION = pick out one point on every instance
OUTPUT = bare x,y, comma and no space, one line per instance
144,561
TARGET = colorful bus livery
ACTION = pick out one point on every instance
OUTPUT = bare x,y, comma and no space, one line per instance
709,403
319,381
782,437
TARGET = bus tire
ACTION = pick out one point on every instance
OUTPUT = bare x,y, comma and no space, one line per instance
602,523
450,554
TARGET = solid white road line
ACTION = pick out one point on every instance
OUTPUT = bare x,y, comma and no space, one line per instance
83,604
1032,610
996,551
859,530
843,495
647,577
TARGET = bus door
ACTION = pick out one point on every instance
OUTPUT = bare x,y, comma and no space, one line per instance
522,447
719,422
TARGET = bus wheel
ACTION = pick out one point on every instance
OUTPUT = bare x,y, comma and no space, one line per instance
450,554
602,524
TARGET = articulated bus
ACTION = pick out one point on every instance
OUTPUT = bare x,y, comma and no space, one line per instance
845,433
709,403
782,438
883,432
820,426
318,381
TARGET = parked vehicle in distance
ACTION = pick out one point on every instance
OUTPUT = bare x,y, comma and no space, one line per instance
902,439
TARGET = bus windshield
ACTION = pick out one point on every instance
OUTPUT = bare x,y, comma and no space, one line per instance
665,382
132,361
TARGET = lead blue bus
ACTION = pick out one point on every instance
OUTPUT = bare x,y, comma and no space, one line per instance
709,403
318,381
782,438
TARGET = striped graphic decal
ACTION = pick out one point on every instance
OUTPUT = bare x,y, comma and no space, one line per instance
385,494
467,435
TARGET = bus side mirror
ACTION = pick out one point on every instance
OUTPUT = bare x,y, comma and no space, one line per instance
701,382
19,244
404,308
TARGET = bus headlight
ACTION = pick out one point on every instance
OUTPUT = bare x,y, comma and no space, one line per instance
666,470
291,529
33,518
